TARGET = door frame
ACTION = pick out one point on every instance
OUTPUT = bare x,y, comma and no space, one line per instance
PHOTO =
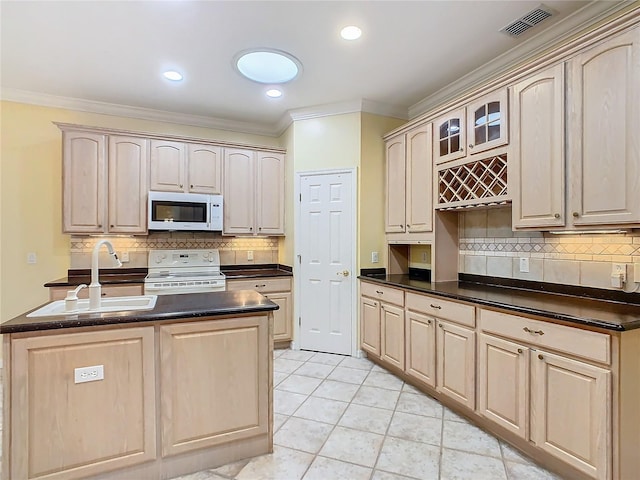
352,171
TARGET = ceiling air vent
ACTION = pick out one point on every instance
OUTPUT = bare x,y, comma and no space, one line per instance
531,19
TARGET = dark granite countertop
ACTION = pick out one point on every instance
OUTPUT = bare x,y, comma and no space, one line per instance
255,271
168,307
611,315
108,276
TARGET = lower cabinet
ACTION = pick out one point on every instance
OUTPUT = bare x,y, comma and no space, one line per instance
213,382
63,427
420,347
370,326
456,362
392,329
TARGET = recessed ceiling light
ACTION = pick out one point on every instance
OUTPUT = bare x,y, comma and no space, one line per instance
267,65
172,75
351,32
273,93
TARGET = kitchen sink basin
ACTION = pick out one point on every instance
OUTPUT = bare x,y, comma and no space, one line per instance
112,304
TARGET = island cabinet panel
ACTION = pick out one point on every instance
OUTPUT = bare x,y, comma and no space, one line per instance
61,429
214,382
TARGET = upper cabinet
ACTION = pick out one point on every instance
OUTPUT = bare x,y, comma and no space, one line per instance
185,167
254,192
104,183
475,128
409,199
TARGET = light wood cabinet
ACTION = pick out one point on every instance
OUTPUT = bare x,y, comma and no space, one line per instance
392,338
254,192
214,382
536,157
104,183
370,326
278,290
409,193
382,322
59,293
450,141
456,363
62,429
185,167
420,347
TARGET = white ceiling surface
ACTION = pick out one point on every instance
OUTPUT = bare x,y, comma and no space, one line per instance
114,52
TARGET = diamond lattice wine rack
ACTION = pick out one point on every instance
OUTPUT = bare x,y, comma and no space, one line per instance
483,182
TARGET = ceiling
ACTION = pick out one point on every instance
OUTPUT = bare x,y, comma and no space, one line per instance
106,53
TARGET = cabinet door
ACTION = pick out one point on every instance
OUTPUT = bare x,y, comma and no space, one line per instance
270,193
419,179
239,191
504,383
282,318
392,339
167,167
370,325
420,347
62,429
204,168
450,137
536,159
395,186
456,362
128,164
84,187
604,121
487,122
571,412
214,382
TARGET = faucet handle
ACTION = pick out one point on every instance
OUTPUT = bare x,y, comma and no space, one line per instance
74,293
71,300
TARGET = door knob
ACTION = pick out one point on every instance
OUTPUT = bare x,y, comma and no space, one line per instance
344,273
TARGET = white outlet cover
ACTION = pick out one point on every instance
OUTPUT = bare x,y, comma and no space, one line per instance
524,265
374,257
88,374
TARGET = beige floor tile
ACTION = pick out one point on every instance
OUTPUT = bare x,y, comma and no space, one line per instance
299,384
285,403
278,420
232,469
380,475
285,365
353,446
322,410
469,466
369,419
419,404
316,370
413,459
302,434
383,380
359,363
283,463
416,428
528,471
327,468
336,390
299,355
376,397
348,375
327,358
467,437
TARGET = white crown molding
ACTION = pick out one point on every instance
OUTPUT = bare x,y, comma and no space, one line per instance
69,103
588,16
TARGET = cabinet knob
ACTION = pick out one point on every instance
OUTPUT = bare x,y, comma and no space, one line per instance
408,226
470,146
540,357
440,325
519,350
190,186
259,228
557,215
100,226
401,226
103,294
438,307
460,149
111,226
379,292
180,185
250,229
576,214
428,322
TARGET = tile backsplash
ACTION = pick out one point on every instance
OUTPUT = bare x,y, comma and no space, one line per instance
487,246
233,250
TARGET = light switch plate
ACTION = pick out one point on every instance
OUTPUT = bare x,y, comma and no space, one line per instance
250,255
374,257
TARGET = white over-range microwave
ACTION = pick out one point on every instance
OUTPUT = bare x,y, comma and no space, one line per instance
184,211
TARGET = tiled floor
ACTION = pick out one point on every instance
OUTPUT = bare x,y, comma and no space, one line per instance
342,418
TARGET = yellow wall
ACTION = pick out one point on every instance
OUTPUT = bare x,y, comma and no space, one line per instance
31,194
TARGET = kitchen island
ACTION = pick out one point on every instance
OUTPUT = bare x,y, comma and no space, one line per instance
159,393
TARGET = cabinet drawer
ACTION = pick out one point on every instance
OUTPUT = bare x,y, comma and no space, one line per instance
581,343
445,309
262,285
384,294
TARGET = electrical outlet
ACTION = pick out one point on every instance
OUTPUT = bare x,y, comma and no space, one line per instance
524,265
124,257
250,255
619,270
374,257
32,258
89,374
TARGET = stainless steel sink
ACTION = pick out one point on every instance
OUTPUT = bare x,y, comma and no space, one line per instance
113,304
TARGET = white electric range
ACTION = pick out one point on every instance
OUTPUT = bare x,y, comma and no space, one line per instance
183,271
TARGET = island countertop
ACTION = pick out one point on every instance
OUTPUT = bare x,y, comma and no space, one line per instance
168,307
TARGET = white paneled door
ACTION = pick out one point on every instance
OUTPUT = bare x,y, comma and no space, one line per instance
326,245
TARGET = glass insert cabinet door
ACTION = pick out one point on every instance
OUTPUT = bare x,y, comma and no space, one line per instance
450,136
487,122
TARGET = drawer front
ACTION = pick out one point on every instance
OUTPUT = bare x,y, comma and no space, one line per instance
446,309
574,341
382,293
262,285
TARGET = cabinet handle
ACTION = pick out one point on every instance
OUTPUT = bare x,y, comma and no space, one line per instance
438,307
576,214
557,215
519,350
103,294
533,332
540,357
260,286
379,292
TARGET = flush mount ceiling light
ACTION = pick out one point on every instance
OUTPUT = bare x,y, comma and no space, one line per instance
267,65
273,93
351,32
172,75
